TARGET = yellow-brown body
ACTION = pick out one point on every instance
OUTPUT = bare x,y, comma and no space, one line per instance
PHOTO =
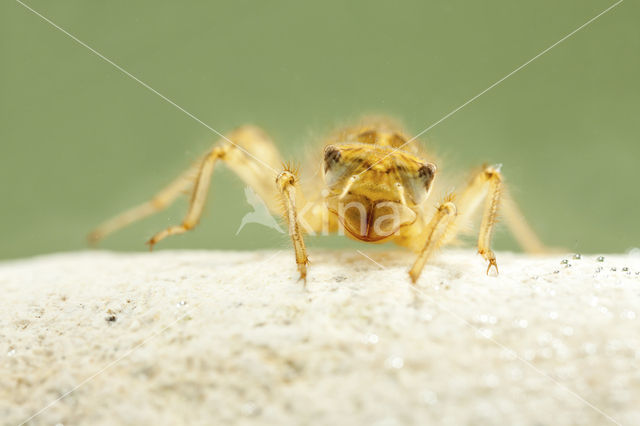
373,185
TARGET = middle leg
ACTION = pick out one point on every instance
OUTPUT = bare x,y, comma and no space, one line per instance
450,218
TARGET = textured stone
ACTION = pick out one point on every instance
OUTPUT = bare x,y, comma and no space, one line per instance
198,337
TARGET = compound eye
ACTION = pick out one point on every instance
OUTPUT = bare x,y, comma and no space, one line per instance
335,168
331,157
419,185
427,172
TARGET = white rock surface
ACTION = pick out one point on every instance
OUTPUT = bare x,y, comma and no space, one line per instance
193,337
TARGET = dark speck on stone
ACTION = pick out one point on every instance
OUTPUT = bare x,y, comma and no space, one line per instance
110,318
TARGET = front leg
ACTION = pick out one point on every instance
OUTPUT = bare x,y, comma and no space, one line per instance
286,182
436,232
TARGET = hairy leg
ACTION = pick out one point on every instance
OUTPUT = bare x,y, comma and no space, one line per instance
486,185
159,202
435,232
198,197
492,179
286,182
252,156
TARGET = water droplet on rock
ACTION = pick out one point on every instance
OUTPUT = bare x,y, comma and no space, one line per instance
484,332
600,258
515,373
426,316
12,352
544,338
250,409
429,397
564,262
491,380
590,348
577,256
395,362
508,354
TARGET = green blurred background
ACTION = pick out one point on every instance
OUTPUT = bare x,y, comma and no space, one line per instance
80,141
